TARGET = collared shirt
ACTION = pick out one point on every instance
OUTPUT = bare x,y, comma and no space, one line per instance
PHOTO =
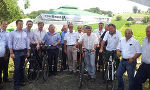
129,48
62,37
146,51
51,39
99,33
6,35
18,40
89,41
39,35
112,40
71,38
30,34
2,44
79,35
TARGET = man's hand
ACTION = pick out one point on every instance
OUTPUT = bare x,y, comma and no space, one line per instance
93,50
12,55
101,50
130,60
38,47
74,47
118,53
55,44
28,53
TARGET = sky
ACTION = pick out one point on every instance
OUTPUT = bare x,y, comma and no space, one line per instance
116,6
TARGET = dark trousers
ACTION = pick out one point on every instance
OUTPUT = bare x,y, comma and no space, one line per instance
1,67
52,58
19,67
64,58
143,73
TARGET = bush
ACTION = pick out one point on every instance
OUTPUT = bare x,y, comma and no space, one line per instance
128,24
118,18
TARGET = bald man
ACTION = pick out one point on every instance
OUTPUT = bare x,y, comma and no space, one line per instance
130,50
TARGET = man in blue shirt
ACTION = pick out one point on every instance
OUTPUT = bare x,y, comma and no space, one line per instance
2,53
19,49
64,56
4,25
52,39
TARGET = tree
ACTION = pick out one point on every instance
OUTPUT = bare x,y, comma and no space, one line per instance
146,19
34,14
135,9
26,4
148,10
118,18
9,10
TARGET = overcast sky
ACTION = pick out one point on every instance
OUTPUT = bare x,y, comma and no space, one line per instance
116,6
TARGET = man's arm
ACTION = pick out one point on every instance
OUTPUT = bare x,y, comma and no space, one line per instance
65,48
102,46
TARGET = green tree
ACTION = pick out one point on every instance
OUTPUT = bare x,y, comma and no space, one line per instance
148,10
26,4
9,10
135,9
146,19
34,14
118,18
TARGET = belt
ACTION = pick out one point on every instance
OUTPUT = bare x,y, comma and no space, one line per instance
70,45
21,50
125,59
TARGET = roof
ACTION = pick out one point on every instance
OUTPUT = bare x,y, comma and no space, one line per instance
130,19
70,10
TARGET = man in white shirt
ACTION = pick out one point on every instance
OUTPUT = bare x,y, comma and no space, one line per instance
70,40
99,32
112,37
130,50
143,73
40,33
90,42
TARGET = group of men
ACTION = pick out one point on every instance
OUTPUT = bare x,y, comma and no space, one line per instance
16,44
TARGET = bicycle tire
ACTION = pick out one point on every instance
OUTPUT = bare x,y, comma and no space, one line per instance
45,69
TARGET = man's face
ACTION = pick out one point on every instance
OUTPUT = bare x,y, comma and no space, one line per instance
148,32
29,25
79,29
101,26
70,27
51,29
106,28
65,28
40,26
4,25
19,25
88,31
128,34
84,29
111,29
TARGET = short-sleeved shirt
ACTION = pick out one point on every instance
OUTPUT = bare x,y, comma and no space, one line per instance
112,40
88,41
39,34
146,51
99,33
79,35
51,39
129,48
71,38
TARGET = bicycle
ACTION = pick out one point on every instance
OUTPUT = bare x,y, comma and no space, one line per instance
110,71
38,63
83,71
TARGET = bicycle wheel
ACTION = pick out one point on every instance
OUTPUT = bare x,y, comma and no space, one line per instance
45,68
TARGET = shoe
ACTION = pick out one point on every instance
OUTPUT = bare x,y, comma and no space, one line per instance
22,84
7,80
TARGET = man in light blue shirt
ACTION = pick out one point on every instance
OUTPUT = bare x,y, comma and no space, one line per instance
2,52
5,33
19,49
52,39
